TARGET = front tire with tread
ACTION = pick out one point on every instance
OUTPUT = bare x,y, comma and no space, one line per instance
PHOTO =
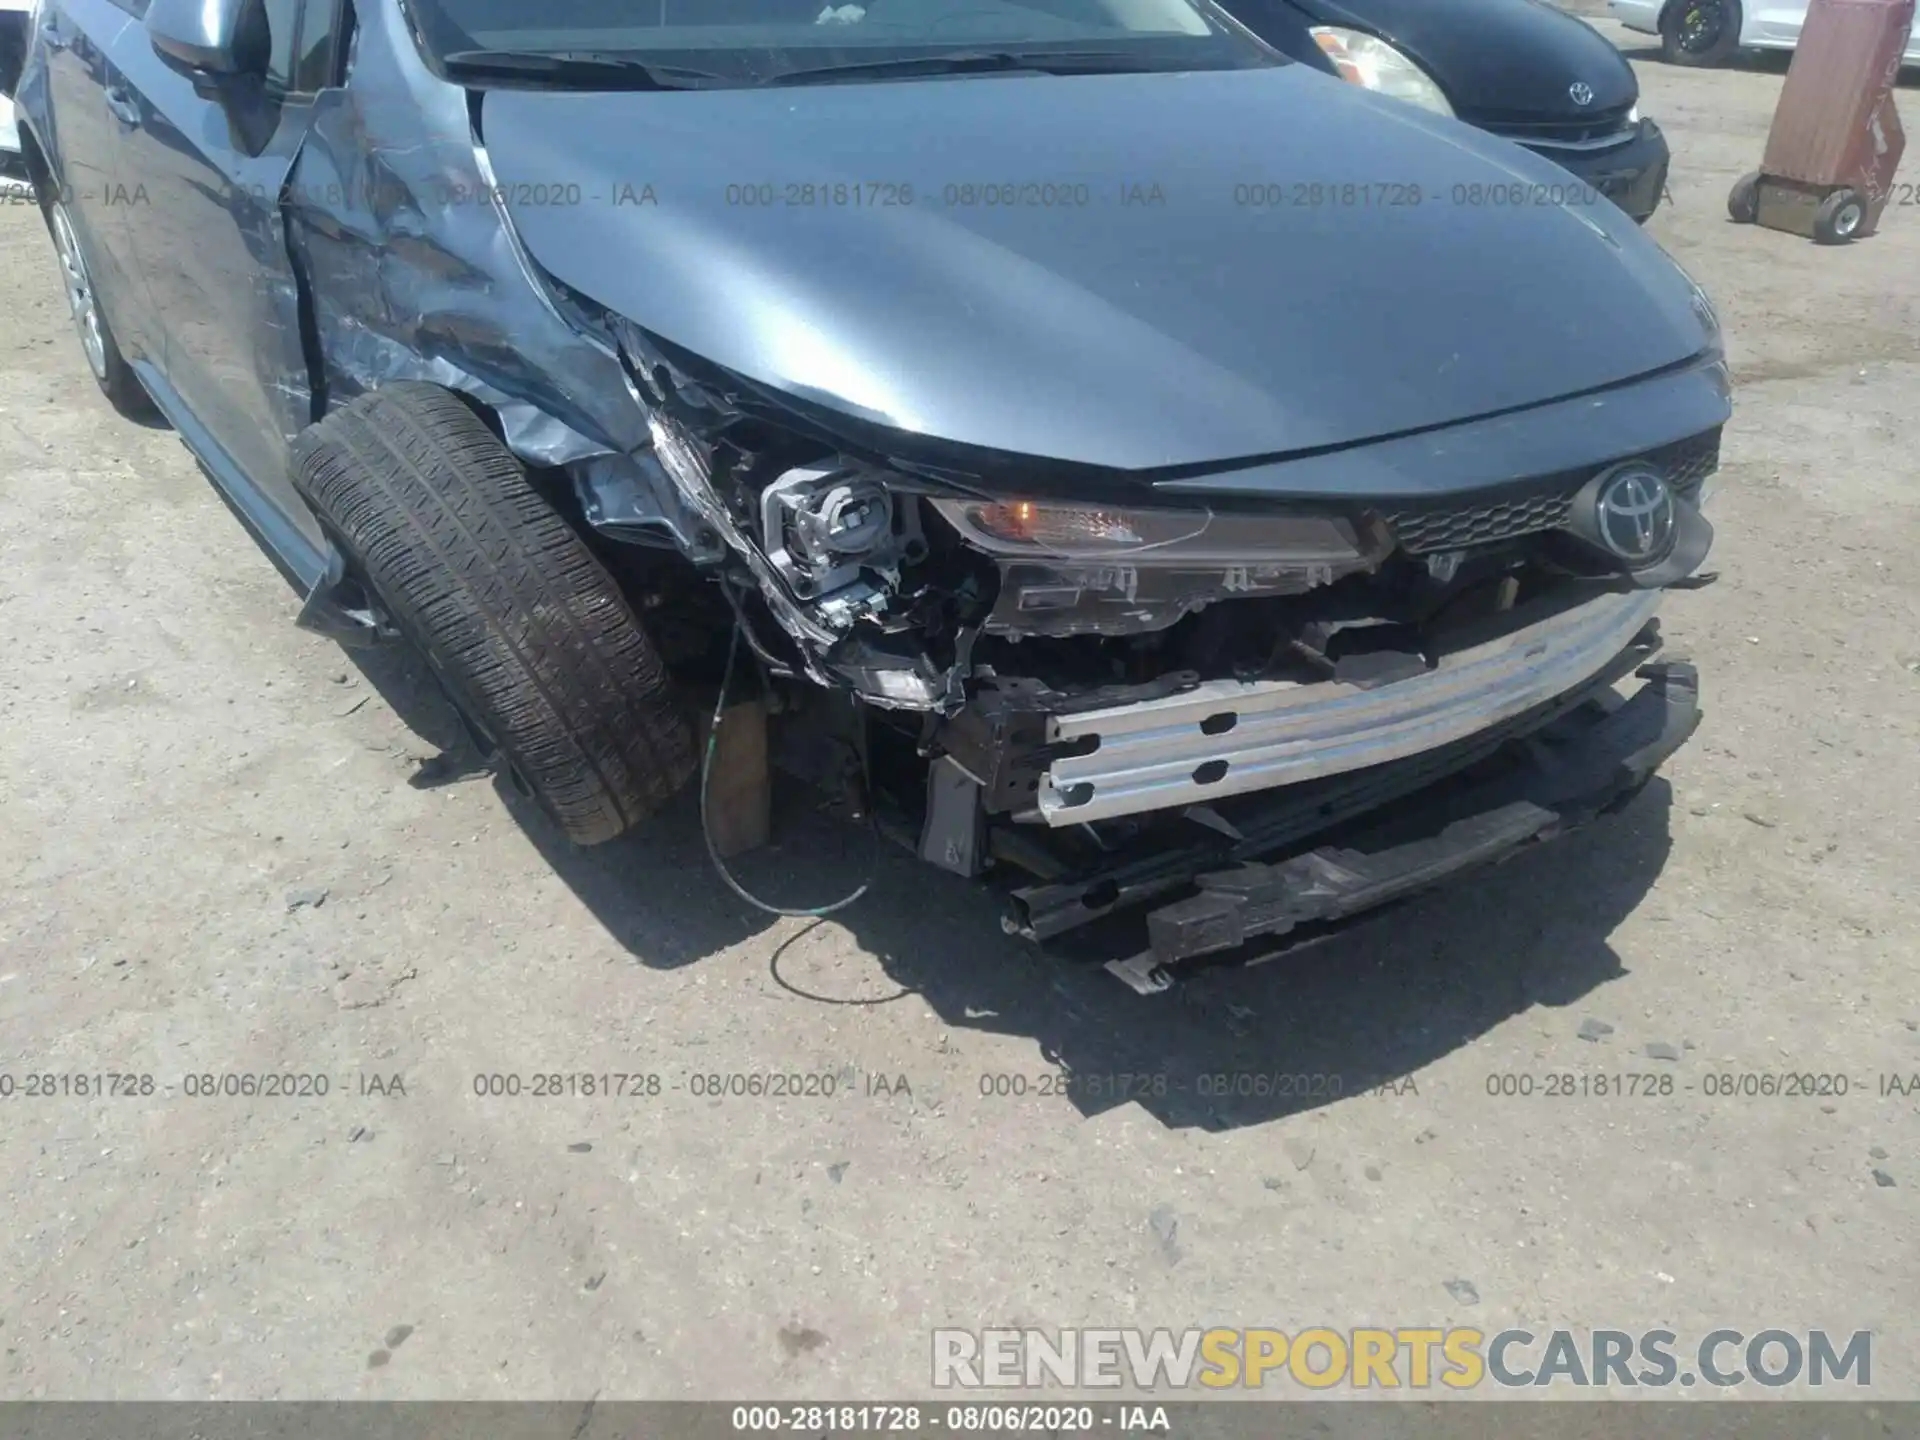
523,624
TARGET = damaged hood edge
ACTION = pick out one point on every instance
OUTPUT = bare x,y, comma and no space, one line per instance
1481,453
1188,331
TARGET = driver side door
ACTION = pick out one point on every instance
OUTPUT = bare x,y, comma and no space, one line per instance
210,237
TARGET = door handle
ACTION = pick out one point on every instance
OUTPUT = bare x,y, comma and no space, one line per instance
122,105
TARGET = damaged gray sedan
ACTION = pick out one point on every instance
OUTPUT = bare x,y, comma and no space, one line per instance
1123,461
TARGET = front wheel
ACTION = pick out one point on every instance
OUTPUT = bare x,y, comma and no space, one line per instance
110,370
1700,32
524,626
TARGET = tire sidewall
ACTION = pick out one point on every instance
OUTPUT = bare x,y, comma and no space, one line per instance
471,710
1723,48
595,765
121,387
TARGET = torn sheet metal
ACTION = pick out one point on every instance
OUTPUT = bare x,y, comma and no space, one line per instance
835,648
680,456
416,274
630,497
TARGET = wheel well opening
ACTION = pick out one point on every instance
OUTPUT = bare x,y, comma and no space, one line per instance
484,413
36,162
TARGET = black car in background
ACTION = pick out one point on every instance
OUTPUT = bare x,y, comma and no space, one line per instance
15,17
1517,68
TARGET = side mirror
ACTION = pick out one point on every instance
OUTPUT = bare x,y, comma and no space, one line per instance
202,38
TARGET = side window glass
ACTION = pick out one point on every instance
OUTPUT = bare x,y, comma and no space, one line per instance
135,8
283,40
319,28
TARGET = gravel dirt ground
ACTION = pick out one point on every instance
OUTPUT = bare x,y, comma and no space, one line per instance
227,847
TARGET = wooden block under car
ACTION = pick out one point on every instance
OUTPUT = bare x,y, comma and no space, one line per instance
739,791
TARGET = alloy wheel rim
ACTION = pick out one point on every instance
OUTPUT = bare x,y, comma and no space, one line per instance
1700,26
1847,221
80,299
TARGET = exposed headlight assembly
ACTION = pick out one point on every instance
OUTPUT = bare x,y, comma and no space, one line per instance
1034,529
1070,569
1371,63
823,525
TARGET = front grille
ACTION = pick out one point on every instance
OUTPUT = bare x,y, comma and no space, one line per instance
1587,130
1543,505
1689,462
1424,532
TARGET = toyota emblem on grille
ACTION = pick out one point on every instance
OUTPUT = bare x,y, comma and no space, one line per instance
1580,93
1634,514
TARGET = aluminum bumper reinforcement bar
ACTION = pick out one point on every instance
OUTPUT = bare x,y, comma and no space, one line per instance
1230,738
1558,783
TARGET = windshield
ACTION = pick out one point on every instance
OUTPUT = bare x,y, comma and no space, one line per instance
690,42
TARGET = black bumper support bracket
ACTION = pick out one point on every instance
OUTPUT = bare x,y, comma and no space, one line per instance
1561,781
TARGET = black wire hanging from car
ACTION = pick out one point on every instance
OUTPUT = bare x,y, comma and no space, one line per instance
706,773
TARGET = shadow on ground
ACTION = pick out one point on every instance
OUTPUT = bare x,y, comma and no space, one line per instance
1354,1015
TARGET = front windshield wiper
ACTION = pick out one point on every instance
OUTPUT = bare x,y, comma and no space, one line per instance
621,71
983,62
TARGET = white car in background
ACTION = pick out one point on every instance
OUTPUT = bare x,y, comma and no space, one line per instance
16,18
1708,32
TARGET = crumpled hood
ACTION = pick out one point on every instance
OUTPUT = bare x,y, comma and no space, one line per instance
1171,319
